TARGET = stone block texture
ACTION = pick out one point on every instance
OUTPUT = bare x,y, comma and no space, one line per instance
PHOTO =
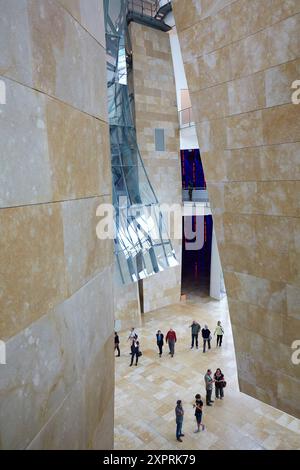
156,108
56,280
241,58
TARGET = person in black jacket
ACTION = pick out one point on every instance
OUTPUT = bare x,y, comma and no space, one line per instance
160,341
206,335
219,384
117,342
135,352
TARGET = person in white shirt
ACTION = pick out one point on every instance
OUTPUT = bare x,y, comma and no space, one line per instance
220,332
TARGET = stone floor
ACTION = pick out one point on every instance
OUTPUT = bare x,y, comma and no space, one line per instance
146,395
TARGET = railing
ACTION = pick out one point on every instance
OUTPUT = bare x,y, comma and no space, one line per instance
144,7
186,118
195,195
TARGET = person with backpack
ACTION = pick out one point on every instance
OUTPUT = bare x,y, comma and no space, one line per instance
220,332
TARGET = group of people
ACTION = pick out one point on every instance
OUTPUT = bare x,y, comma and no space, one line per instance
216,380
195,330
171,340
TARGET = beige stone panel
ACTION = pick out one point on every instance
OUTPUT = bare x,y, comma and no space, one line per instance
243,164
250,55
274,199
157,297
221,29
215,165
245,130
253,318
291,331
211,103
294,254
251,17
239,228
281,124
237,257
257,291
286,365
293,301
246,94
241,197
278,81
187,13
25,167
89,15
32,281
208,70
212,7
66,429
40,385
67,62
104,434
85,254
216,197
288,394
260,393
284,40
98,391
197,40
279,162
126,306
212,135
73,7
15,57
79,152
274,243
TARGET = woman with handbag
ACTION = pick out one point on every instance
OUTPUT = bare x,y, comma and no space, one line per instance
220,384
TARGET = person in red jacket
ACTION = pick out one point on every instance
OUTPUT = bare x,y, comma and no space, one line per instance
171,340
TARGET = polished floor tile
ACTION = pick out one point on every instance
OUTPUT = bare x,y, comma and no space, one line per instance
146,395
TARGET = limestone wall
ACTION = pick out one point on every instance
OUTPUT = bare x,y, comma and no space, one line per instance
241,58
56,308
155,108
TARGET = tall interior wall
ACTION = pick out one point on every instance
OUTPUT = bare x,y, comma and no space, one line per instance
155,108
241,58
56,307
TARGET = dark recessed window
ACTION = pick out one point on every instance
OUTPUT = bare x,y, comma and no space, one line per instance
159,140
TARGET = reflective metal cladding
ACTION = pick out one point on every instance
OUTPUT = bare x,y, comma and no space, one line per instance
142,246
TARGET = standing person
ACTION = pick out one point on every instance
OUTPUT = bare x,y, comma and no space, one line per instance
135,352
219,384
117,342
195,328
206,335
209,381
171,340
198,405
133,336
179,413
160,341
220,331
190,189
